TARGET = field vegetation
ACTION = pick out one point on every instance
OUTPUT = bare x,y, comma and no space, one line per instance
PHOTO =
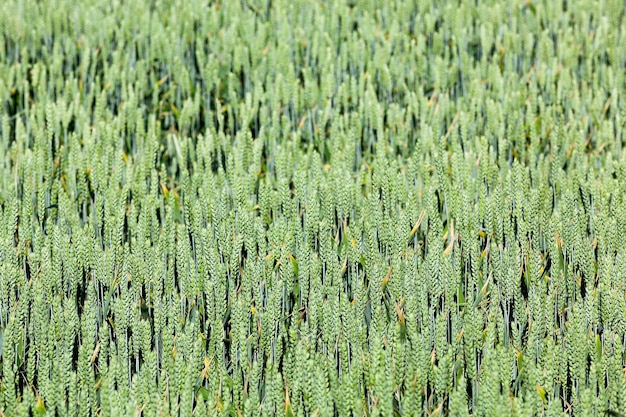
312,208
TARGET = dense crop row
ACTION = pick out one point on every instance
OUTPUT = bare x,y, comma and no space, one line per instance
305,207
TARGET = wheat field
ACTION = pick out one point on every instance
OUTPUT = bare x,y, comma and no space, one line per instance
312,208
